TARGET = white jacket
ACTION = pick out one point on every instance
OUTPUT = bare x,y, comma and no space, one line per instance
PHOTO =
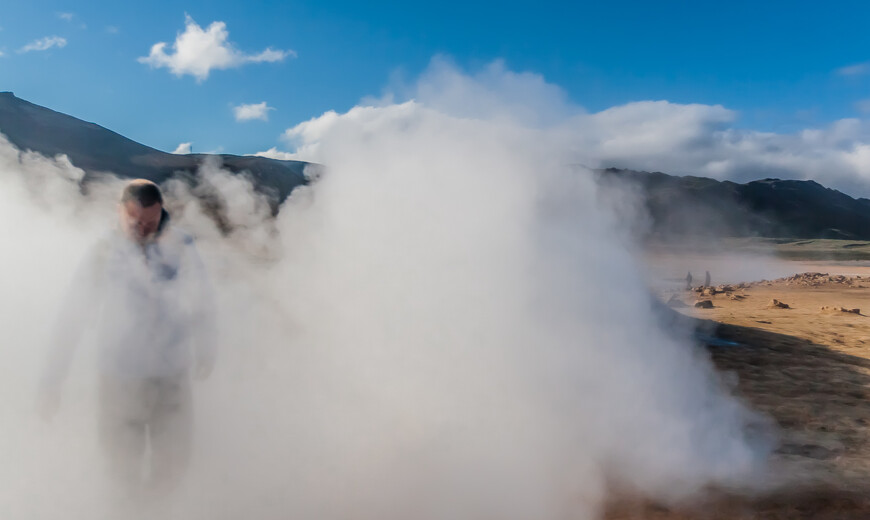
147,306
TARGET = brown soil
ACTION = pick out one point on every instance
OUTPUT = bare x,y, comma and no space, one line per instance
808,368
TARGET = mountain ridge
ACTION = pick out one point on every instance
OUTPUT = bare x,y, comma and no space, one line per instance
691,206
99,151
679,207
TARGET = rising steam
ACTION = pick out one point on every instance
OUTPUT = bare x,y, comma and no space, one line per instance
447,325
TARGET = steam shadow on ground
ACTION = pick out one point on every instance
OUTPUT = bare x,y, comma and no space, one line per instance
818,398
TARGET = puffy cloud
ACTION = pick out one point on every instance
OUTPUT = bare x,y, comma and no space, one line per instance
701,140
43,44
65,16
197,52
183,148
252,111
681,139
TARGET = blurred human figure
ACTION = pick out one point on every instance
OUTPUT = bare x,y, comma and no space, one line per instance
707,279
689,281
144,292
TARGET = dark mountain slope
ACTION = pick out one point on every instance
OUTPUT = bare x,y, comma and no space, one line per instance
698,206
98,150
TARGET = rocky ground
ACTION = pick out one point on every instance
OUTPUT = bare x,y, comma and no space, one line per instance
800,350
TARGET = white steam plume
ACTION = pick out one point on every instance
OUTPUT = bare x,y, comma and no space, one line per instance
447,325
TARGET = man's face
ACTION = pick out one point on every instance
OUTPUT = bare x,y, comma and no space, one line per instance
138,222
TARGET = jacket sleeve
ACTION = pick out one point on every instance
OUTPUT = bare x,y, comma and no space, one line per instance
204,311
76,311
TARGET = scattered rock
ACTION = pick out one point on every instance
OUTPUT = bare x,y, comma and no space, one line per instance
834,309
704,304
776,304
737,297
810,280
713,291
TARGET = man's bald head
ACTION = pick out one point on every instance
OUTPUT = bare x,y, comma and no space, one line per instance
143,191
141,209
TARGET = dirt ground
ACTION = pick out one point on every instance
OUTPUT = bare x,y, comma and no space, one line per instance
808,369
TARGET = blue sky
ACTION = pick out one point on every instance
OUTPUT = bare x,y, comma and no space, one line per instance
775,63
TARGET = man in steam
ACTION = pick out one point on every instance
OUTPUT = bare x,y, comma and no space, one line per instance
143,292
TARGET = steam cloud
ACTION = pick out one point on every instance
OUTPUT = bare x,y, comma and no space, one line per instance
447,325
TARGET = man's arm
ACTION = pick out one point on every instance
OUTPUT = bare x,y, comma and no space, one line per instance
76,310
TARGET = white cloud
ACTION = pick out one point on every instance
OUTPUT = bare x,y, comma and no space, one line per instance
252,111
65,16
700,140
111,29
681,139
855,70
183,148
269,55
44,44
197,52
274,153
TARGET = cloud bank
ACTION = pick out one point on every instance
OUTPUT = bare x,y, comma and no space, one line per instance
681,139
197,52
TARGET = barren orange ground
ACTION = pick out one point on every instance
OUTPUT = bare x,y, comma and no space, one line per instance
809,370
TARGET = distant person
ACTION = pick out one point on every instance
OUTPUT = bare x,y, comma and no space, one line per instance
707,279
143,291
689,281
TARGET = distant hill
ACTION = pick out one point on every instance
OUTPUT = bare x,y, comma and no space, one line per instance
689,206
98,150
